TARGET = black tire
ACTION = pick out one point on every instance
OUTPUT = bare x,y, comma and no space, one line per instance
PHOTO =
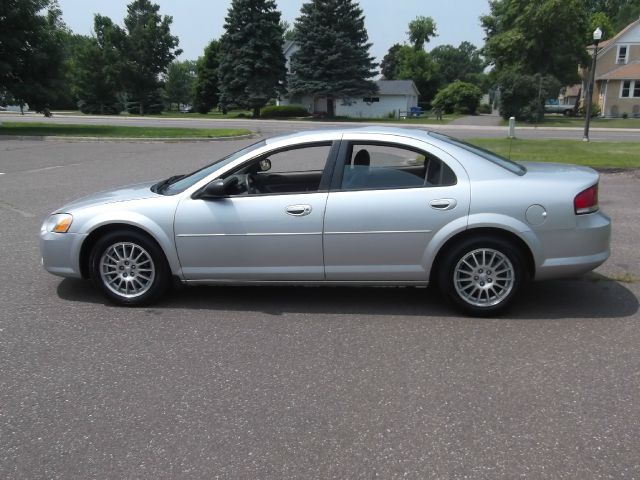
152,278
479,293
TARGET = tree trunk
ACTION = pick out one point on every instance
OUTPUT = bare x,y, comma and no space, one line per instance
331,111
256,112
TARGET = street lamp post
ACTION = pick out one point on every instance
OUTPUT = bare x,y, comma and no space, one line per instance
597,35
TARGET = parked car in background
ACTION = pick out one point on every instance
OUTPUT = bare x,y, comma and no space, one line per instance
553,105
369,206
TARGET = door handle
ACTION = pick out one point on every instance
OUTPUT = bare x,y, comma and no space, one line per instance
443,204
298,210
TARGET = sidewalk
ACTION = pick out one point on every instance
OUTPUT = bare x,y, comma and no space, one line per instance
481,120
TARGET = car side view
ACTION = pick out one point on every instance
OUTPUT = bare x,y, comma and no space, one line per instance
367,206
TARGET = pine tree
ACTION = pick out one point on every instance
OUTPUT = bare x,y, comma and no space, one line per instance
252,64
206,92
333,59
150,50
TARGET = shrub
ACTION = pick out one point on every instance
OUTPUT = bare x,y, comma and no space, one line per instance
284,111
522,96
484,108
595,110
625,115
459,97
95,108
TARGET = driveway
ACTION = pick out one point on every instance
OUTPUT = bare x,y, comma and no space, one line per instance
278,383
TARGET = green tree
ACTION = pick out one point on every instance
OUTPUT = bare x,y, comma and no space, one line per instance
463,63
421,30
620,12
523,96
252,64
459,97
417,65
333,59
288,30
206,93
150,49
389,64
179,82
525,36
628,12
31,50
99,68
603,22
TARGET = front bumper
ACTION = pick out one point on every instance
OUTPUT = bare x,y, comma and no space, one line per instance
61,253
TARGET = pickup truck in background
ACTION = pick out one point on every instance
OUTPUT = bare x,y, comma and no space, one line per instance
553,105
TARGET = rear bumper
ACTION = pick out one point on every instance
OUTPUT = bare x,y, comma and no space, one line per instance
588,244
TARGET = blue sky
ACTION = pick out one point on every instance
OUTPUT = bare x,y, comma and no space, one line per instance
196,22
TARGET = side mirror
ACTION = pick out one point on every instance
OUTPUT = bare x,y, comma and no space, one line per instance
265,165
218,188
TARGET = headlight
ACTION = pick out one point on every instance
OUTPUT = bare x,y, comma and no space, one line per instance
59,223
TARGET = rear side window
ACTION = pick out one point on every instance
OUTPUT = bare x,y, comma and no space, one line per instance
513,167
377,166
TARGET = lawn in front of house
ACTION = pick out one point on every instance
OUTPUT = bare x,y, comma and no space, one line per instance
592,154
577,122
112,131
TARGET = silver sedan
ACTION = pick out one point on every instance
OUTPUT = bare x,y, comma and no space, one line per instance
370,206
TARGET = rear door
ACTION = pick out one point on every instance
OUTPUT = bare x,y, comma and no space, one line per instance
389,197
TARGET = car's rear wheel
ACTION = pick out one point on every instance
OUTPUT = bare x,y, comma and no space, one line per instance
129,268
482,276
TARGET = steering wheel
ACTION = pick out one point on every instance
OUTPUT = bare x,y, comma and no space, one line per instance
249,184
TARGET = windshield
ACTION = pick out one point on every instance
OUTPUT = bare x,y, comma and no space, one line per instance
513,167
194,177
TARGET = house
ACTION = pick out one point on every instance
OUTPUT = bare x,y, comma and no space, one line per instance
617,77
394,97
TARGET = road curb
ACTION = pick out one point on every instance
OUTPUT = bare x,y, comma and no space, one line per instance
54,138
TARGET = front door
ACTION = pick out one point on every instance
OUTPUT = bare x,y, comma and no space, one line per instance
268,228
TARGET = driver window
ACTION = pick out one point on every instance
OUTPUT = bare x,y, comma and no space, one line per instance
294,170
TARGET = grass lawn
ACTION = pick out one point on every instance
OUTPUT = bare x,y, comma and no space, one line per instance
47,129
246,114
560,121
592,154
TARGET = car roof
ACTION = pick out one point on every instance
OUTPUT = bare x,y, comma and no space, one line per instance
336,133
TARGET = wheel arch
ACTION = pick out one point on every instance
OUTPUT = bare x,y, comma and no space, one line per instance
100,231
501,233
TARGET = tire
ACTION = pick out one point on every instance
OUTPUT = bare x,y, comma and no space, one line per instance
467,275
129,268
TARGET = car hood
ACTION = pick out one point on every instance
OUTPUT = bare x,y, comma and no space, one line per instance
122,194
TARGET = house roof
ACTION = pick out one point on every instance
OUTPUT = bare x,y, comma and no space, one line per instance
573,90
397,87
630,71
605,45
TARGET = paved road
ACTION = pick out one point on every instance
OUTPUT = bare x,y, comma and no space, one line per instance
274,127
279,383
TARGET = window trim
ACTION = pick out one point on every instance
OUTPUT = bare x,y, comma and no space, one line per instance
633,85
626,54
344,153
325,178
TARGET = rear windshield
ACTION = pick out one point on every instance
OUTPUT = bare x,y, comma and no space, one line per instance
499,160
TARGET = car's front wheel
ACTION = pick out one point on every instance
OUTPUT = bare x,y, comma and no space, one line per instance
482,276
129,268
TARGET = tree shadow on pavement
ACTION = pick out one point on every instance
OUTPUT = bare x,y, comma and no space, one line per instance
588,297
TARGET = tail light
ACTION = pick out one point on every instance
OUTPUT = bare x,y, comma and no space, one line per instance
586,201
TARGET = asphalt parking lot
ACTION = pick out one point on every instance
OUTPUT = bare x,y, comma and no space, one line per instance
277,383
